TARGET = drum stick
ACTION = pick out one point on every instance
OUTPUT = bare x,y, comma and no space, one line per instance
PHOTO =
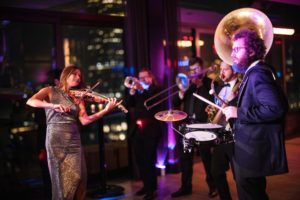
207,101
177,131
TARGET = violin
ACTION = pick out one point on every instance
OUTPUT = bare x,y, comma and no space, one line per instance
91,96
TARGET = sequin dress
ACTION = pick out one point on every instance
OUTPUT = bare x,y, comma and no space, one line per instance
65,154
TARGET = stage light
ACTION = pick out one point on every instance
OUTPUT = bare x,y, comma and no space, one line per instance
184,43
283,31
200,43
139,123
160,166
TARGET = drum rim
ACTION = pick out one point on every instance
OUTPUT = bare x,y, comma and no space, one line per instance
217,126
197,139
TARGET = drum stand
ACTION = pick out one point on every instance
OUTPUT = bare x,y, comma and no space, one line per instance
177,131
104,190
188,143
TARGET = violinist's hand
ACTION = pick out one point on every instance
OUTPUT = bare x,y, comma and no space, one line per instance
61,108
230,112
111,104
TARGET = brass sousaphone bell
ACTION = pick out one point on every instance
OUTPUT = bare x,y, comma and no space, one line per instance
244,18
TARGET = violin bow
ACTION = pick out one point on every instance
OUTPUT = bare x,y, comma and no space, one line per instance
90,89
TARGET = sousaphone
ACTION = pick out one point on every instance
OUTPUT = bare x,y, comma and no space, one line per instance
240,19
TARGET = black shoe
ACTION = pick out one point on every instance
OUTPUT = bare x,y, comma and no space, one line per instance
141,192
181,192
149,196
212,192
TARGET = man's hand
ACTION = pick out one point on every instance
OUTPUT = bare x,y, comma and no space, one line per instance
230,112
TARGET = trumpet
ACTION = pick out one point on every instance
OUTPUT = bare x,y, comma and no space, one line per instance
133,84
182,82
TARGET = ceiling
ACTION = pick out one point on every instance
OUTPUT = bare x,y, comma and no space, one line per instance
203,14
207,14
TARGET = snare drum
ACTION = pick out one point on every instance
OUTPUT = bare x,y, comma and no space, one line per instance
224,137
198,138
204,126
201,133
201,136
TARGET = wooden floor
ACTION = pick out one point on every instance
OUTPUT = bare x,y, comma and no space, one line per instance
279,187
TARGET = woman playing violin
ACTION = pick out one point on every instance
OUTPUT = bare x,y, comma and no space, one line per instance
64,150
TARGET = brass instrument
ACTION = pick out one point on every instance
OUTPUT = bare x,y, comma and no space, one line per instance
133,84
213,92
233,93
244,18
182,82
211,111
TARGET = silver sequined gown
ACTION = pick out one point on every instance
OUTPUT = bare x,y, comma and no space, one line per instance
65,154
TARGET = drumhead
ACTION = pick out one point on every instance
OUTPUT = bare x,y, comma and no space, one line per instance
201,136
204,126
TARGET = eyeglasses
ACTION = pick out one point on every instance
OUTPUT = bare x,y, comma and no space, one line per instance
237,49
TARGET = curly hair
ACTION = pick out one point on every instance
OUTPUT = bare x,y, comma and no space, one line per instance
253,42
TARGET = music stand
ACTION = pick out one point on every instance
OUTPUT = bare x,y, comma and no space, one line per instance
104,190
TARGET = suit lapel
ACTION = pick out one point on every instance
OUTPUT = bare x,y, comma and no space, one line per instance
244,82
241,90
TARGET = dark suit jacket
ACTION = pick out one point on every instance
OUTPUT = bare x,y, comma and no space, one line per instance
259,127
193,105
137,111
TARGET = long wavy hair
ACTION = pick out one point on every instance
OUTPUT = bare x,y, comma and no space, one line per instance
67,71
253,43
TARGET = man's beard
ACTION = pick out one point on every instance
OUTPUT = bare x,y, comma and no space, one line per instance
239,68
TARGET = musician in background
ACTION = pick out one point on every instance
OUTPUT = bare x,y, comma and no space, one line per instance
222,153
259,149
63,144
195,109
147,132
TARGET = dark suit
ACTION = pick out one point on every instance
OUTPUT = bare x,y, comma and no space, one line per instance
145,136
222,157
259,132
192,105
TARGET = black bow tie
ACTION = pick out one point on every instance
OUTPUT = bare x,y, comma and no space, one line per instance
226,85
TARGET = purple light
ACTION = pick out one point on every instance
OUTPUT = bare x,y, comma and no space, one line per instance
183,63
171,137
41,76
171,146
172,161
160,166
